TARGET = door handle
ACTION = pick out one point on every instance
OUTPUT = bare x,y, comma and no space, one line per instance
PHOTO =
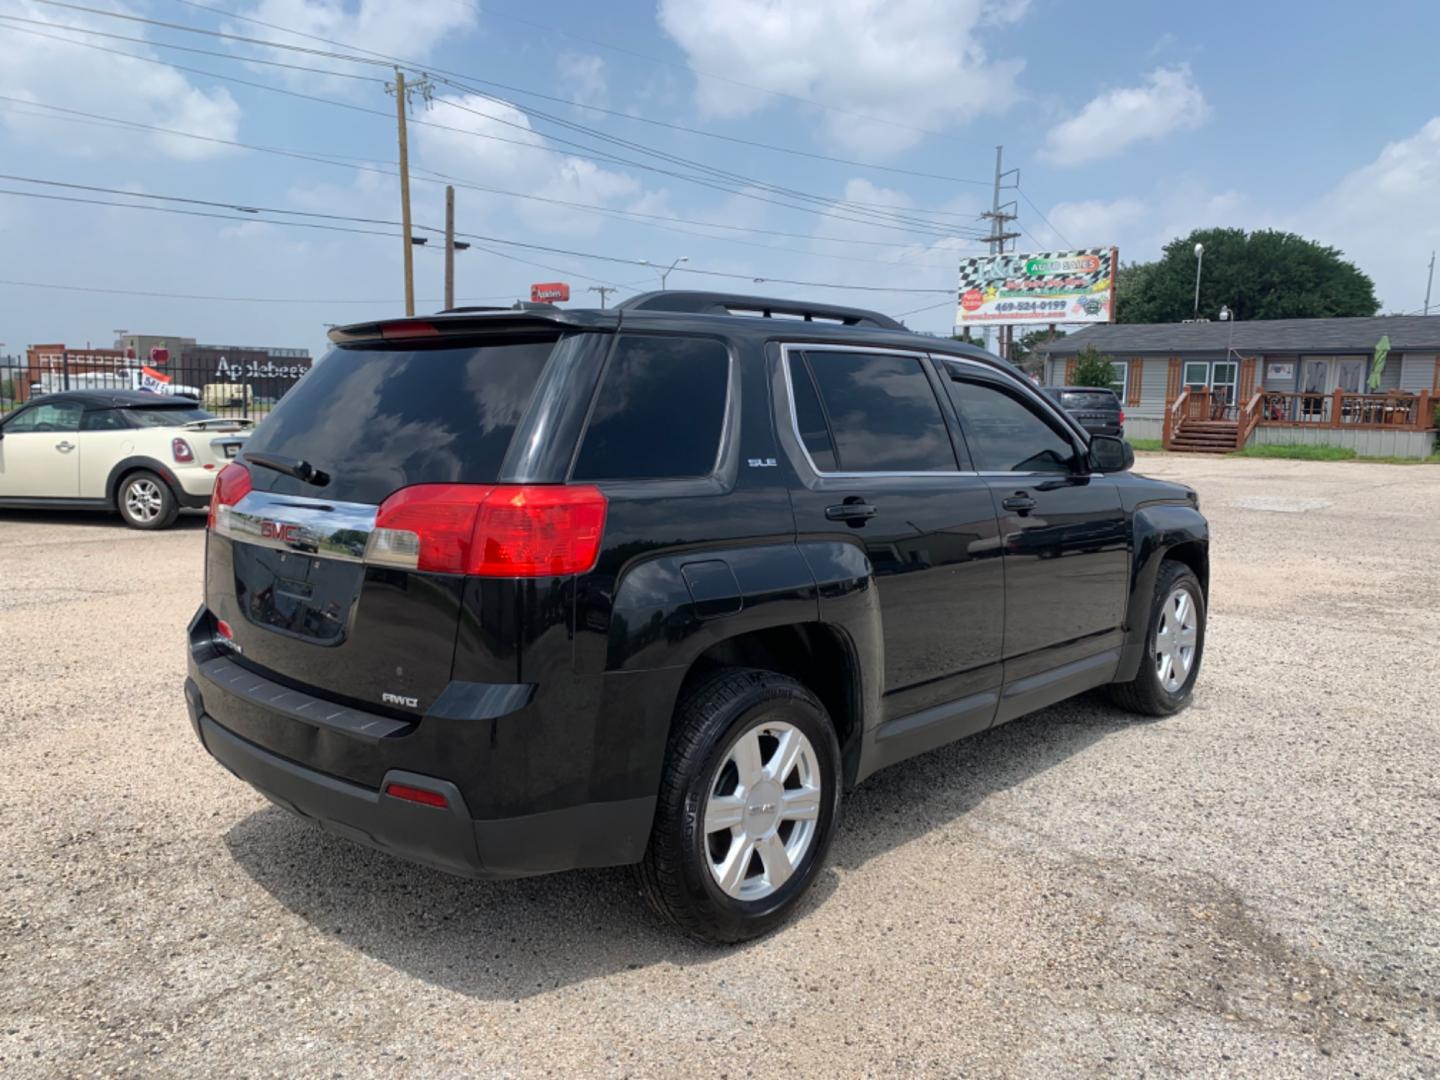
851,511
64,447
1021,503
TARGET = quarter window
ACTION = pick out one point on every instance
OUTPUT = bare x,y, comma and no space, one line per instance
103,420
870,412
1004,435
659,411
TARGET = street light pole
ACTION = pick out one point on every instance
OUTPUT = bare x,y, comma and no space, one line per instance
665,272
1199,262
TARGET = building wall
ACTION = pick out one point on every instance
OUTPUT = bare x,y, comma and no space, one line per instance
1366,442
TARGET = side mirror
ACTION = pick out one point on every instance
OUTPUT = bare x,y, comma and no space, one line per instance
1110,455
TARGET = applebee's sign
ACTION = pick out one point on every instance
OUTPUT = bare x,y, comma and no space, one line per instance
250,369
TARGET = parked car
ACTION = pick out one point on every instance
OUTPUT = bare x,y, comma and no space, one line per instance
657,584
144,455
1097,408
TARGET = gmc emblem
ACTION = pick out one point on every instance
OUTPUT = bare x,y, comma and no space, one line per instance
279,530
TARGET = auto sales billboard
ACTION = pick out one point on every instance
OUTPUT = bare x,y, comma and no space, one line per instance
1044,287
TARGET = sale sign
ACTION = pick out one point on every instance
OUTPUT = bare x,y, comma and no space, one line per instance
154,381
1049,287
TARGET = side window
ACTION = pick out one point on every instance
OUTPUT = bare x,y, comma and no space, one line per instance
56,416
881,414
103,420
810,416
1004,435
659,411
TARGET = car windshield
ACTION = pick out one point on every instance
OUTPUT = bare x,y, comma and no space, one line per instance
1088,399
167,416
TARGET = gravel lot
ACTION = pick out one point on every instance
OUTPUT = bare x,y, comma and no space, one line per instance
1249,888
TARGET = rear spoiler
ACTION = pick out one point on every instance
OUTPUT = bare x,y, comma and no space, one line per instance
463,323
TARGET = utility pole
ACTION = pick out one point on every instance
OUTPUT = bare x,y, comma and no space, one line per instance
1428,282
402,101
1000,214
603,290
449,247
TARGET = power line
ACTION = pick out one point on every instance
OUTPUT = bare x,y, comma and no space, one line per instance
871,214
435,177
325,226
555,30
223,299
1042,217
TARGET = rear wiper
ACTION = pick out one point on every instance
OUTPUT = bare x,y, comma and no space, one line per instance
300,470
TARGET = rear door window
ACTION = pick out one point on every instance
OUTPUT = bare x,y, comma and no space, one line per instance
377,420
882,414
659,411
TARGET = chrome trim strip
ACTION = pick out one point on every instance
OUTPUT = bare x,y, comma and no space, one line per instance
785,350
323,529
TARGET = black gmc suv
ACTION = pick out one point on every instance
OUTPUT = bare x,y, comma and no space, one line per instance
509,592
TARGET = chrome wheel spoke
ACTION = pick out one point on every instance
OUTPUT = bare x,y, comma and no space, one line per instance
776,860
736,864
724,812
800,804
787,753
748,762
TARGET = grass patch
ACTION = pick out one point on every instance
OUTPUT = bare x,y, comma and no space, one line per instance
1146,444
1433,459
1298,453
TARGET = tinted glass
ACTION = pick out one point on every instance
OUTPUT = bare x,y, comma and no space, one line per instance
56,416
167,417
378,420
814,430
883,415
1004,435
659,411
1101,401
104,420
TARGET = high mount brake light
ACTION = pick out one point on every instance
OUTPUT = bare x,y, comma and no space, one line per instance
398,331
232,485
502,530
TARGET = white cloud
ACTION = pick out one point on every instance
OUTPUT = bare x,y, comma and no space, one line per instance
1167,101
902,65
410,30
71,76
512,166
584,76
1385,217
1092,222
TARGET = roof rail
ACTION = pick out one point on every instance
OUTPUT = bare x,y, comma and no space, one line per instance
714,303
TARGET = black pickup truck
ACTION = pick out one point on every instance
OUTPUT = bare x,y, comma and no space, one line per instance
516,591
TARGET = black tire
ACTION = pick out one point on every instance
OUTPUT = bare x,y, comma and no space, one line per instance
1146,694
675,874
135,511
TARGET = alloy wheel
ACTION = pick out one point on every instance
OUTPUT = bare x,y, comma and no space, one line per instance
1175,639
143,500
763,810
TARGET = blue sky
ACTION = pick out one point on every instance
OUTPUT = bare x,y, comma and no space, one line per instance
1130,124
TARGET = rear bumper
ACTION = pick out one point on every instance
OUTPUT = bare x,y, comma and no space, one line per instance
588,834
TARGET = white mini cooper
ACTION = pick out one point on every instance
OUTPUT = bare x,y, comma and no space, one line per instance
144,455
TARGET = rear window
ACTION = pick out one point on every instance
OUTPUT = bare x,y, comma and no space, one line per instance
163,416
1101,400
659,411
378,420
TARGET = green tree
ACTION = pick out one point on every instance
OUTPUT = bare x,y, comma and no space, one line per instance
1092,369
1266,274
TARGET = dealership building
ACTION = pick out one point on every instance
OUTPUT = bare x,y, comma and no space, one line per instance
1216,386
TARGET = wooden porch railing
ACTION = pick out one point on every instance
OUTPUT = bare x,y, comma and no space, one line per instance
1249,418
1338,409
1173,415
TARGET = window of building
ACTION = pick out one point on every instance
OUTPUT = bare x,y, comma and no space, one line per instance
659,412
877,413
1004,434
1120,379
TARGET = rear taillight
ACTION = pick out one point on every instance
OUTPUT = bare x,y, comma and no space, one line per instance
181,452
504,530
223,628
1122,416
232,485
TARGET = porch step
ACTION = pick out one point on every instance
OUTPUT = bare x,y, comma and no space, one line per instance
1206,437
